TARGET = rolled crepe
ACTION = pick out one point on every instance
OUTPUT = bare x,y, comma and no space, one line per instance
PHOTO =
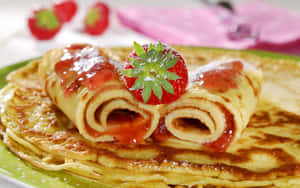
104,112
210,116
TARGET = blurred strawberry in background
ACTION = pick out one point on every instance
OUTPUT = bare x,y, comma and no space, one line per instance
65,10
44,24
97,19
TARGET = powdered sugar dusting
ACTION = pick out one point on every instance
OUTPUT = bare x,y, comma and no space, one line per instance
196,74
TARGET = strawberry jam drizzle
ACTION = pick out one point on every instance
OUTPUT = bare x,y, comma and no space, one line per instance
161,133
125,128
83,65
225,139
222,77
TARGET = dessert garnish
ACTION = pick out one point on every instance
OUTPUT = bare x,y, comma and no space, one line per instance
65,10
155,73
44,24
97,19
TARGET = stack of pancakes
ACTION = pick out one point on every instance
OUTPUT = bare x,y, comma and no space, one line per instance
265,155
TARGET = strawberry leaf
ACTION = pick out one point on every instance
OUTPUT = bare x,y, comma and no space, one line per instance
146,92
151,55
171,63
159,50
159,47
157,89
131,73
167,57
139,50
138,84
171,76
167,86
150,47
136,64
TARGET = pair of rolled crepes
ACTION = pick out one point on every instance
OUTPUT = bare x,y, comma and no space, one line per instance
85,83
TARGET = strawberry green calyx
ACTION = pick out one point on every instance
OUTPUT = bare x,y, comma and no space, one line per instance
92,17
150,68
47,19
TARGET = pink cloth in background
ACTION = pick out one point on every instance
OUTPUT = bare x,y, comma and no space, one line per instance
279,29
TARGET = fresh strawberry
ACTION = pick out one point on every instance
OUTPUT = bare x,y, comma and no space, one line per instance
43,24
65,10
155,74
97,19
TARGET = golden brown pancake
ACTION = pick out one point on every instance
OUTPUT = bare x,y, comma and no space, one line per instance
266,154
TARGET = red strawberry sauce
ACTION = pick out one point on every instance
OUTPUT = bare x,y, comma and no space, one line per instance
161,133
83,65
225,139
126,129
222,77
